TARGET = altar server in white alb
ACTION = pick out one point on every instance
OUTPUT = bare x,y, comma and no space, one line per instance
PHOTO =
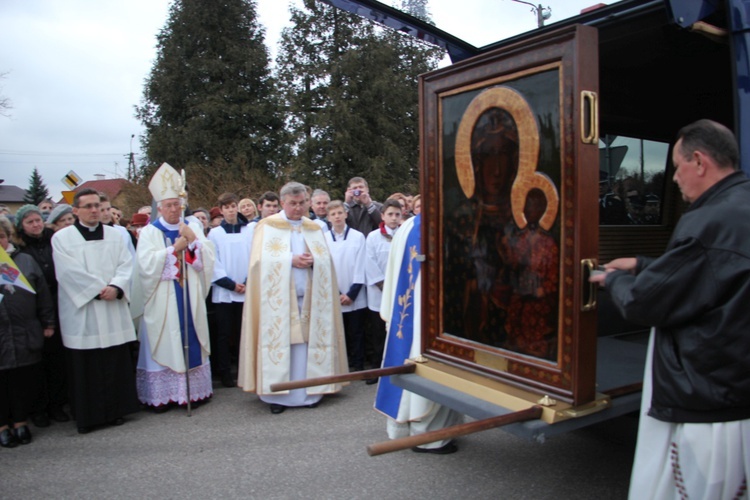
291,327
161,246
401,308
93,268
378,247
232,240
347,247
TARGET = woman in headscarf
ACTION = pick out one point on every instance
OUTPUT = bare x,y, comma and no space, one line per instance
26,318
34,239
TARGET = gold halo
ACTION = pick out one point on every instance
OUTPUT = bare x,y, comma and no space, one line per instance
527,177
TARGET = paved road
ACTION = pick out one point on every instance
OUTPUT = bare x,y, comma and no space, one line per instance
234,448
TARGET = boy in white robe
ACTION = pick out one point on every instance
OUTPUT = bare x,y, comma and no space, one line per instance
232,240
378,246
347,248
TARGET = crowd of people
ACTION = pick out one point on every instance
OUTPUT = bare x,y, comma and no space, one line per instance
292,280
283,289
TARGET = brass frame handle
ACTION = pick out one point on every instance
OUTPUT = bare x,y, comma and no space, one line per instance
588,265
590,136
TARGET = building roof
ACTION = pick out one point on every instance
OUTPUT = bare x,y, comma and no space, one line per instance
110,187
11,194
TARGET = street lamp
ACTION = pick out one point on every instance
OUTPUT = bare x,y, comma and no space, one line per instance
542,13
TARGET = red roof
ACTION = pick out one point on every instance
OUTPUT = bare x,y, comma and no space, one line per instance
110,187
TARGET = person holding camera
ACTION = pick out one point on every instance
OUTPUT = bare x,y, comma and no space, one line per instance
363,214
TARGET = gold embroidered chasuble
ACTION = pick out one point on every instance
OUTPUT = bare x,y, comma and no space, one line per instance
272,320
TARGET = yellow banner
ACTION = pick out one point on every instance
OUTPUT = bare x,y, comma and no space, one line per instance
10,274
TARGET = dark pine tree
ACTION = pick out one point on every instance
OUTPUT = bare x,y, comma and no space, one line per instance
352,99
210,99
37,191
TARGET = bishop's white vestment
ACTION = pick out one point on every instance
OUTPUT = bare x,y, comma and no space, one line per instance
161,360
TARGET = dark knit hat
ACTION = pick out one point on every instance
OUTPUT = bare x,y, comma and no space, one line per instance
24,212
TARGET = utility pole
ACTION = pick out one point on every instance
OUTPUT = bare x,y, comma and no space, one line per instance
131,161
542,13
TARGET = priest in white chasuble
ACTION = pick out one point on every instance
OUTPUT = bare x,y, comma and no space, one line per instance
171,294
292,327
401,308
93,268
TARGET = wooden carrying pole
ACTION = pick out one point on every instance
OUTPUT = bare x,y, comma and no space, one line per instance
454,431
347,377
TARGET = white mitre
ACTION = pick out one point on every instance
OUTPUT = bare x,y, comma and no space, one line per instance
166,183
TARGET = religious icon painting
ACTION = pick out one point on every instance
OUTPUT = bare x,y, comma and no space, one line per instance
508,139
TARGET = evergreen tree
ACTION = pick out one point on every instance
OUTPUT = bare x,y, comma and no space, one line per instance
351,92
37,191
418,9
210,99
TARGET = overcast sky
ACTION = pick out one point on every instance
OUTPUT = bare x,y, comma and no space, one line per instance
75,70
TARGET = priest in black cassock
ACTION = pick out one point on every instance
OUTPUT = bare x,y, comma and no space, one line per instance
94,267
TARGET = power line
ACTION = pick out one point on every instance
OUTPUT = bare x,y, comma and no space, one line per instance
32,153
61,162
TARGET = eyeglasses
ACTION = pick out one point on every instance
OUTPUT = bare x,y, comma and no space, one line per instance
90,206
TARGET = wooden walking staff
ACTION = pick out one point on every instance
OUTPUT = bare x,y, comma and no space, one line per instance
185,299
346,377
454,431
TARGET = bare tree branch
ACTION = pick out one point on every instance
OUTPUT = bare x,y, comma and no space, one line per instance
5,103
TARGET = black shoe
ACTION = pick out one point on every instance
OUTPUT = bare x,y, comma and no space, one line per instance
276,409
117,422
84,430
198,403
23,434
443,450
227,380
40,419
161,408
371,381
8,439
58,414
314,405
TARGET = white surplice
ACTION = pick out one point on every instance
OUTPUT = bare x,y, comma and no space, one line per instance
232,260
83,268
348,253
377,247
